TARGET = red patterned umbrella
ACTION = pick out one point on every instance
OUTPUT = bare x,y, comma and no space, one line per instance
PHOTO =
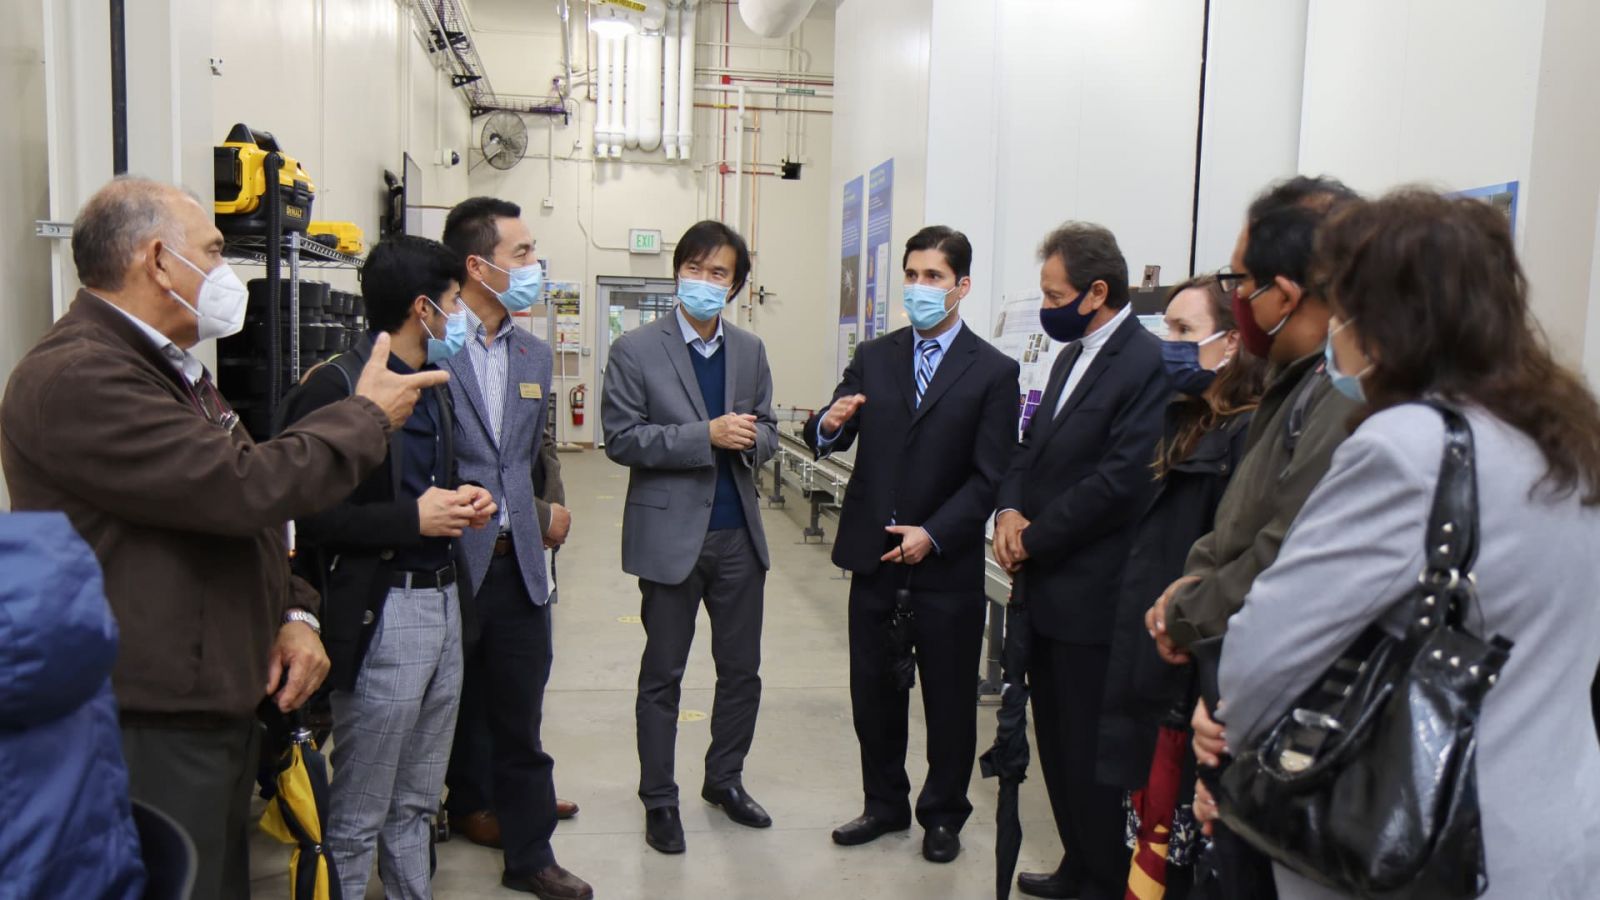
1156,804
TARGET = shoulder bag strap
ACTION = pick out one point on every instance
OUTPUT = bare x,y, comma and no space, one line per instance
1452,540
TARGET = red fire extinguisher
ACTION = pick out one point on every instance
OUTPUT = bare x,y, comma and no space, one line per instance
575,402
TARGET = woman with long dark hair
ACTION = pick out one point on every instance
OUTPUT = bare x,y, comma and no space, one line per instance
1217,385
1430,303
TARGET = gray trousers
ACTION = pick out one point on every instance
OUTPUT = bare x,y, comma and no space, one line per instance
729,578
391,743
202,778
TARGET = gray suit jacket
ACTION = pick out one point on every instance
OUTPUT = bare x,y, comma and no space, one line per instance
1357,548
505,467
656,424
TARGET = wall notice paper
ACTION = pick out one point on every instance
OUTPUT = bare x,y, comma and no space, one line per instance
1018,334
880,209
567,297
849,272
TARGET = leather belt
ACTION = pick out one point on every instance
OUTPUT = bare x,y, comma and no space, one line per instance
503,545
435,579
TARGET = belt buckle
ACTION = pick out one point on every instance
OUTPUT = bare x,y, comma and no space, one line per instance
445,575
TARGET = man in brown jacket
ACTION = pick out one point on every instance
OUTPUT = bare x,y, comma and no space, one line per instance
110,420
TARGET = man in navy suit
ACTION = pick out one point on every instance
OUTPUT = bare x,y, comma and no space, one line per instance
501,389
934,408
1068,507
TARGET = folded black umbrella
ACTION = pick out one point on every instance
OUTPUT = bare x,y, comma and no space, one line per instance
902,643
1007,758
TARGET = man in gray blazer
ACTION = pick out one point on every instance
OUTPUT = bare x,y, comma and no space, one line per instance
687,407
501,389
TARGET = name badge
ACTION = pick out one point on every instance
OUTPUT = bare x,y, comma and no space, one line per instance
530,391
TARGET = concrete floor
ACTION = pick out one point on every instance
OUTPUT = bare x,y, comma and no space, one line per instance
803,767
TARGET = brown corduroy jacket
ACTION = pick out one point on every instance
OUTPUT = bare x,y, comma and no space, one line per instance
187,518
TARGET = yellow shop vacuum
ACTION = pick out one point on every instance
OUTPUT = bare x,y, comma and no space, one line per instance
241,184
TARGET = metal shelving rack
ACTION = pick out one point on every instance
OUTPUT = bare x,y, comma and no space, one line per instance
300,253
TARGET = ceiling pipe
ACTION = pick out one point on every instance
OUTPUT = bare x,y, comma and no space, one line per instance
774,18
669,82
686,31
649,92
742,89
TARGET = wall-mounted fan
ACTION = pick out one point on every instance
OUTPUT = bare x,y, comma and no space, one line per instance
504,139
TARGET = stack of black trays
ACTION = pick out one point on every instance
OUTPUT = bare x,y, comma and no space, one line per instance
331,321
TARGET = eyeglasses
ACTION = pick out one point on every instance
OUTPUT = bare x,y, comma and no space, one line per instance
1230,281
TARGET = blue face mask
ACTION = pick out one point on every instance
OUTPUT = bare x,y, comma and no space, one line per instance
527,286
1348,385
455,335
702,300
1064,323
924,305
1182,362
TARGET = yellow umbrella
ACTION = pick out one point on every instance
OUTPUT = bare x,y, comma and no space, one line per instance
296,805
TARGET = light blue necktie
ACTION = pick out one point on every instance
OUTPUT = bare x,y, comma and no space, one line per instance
928,353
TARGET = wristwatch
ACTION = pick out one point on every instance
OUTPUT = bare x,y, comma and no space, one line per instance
305,616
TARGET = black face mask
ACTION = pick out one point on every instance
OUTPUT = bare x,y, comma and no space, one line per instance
1064,323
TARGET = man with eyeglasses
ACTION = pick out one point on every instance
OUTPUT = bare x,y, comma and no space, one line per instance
111,420
1299,424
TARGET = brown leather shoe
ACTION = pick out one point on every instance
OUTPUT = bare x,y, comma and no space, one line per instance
566,809
481,828
553,883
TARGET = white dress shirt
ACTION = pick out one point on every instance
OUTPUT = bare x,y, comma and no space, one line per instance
1092,344
691,337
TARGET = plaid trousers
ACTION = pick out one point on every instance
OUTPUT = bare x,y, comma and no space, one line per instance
391,744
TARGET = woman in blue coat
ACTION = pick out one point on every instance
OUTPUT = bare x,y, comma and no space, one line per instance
66,826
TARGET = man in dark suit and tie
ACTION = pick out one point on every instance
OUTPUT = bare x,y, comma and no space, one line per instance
1068,506
934,408
501,391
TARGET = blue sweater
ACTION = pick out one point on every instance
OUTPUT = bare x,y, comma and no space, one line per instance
726,509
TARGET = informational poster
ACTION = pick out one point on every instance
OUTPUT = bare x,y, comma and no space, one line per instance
568,314
880,206
850,272
1018,334
1500,196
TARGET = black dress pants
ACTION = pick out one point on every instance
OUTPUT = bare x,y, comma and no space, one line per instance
1068,682
507,667
948,635
203,778
729,580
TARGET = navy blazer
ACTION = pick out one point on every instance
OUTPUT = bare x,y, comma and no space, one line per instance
504,467
937,465
1082,479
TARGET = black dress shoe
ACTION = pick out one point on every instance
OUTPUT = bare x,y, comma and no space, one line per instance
1051,885
550,883
941,844
740,806
663,830
865,829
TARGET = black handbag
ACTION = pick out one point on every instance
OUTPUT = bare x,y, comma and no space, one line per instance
1369,784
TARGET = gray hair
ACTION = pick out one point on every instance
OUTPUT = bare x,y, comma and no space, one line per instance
116,222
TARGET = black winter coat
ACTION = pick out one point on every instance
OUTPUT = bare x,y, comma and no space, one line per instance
1141,688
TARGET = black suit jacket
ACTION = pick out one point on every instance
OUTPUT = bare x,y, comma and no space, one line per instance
346,551
937,465
1082,479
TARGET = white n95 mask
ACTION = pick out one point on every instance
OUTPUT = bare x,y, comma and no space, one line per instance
220,308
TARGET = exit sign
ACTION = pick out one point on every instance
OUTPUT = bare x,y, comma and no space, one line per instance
644,240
